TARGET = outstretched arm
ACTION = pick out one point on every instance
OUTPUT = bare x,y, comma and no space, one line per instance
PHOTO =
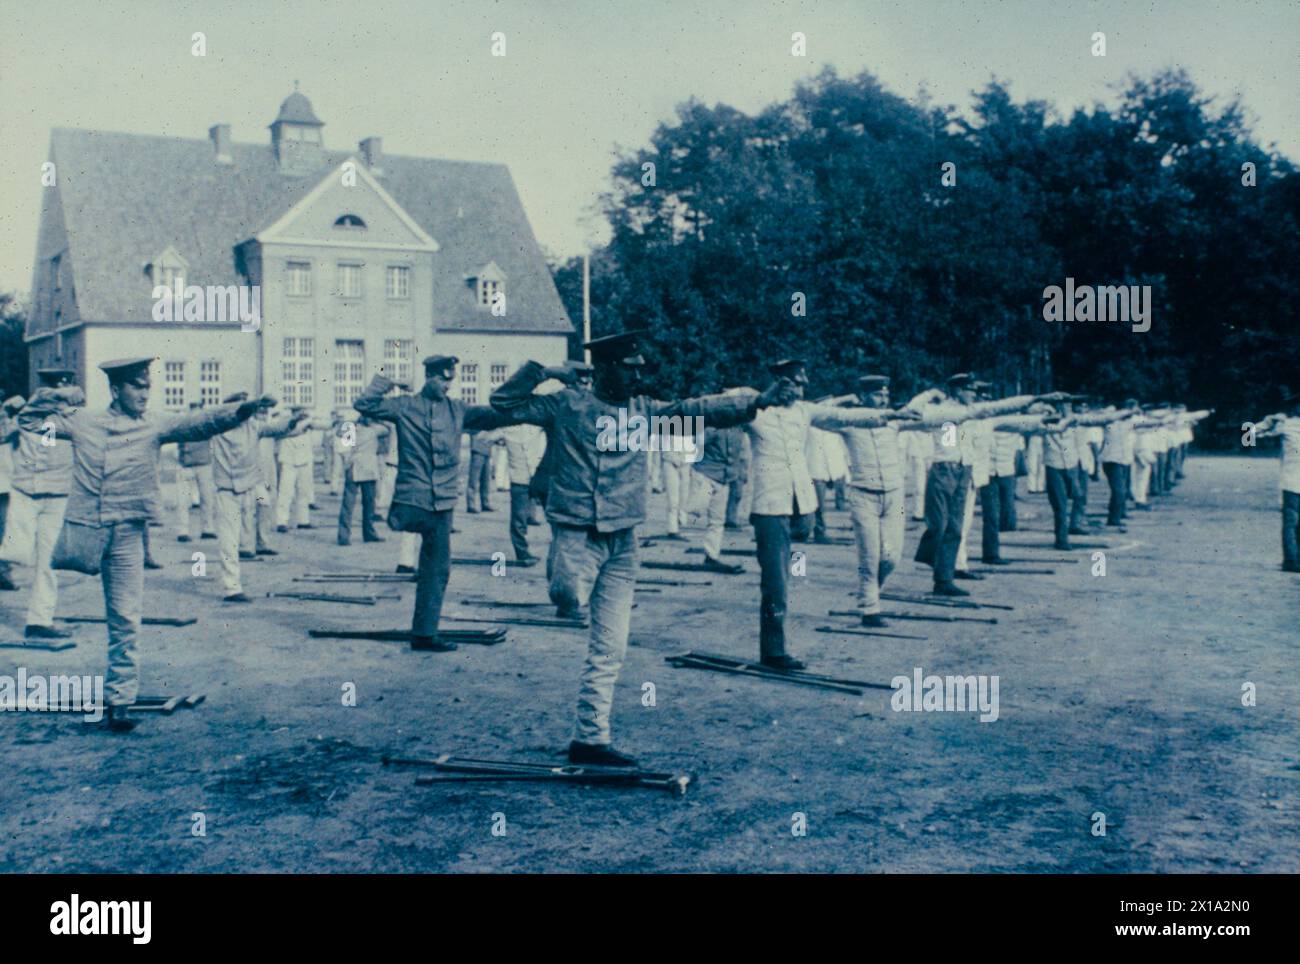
206,422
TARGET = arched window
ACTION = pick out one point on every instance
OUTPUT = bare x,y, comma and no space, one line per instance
349,221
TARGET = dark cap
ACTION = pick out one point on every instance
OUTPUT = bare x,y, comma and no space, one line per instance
52,376
872,383
444,365
235,397
120,369
623,347
787,366
962,380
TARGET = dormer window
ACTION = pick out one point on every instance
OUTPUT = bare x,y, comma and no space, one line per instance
168,269
350,221
489,285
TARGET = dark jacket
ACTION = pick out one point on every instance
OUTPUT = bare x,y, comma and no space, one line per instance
428,440
591,486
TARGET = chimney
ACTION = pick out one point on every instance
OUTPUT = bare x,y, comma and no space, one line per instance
372,153
220,135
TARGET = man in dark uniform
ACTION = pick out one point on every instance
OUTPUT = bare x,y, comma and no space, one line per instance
597,497
429,426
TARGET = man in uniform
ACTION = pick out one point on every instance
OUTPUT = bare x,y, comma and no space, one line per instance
237,471
784,496
719,466
194,477
597,498
361,472
1286,425
877,497
429,426
1117,463
948,484
8,434
478,491
296,459
42,479
115,492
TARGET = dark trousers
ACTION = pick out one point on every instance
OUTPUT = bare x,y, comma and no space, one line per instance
1291,529
1157,484
1059,486
367,510
735,493
841,495
1171,469
4,510
772,533
1007,502
1117,478
1079,499
991,513
946,486
435,561
478,492
521,505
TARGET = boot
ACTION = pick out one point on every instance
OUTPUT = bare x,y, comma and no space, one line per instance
116,719
600,755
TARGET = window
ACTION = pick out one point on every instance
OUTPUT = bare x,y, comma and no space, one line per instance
296,368
397,281
56,273
210,383
174,385
487,290
349,280
349,372
298,281
497,376
469,383
349,221
398,355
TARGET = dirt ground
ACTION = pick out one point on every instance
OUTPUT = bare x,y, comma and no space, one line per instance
1119,694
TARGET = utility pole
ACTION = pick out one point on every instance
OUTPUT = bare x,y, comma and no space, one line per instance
586,305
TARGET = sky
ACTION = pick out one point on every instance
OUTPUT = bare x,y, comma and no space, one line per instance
580,78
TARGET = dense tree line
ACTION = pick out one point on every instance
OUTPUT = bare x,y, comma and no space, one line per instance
860,230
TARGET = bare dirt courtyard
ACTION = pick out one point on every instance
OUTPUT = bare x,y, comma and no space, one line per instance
1119,694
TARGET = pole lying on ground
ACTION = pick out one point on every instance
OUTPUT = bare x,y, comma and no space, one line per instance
327,597
147,620
453,769
485,637
991,621
866,632
674,582
941,601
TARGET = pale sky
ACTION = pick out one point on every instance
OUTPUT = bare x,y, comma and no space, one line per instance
579,76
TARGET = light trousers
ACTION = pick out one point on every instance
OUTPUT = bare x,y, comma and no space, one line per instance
967,518
920,468
122,578
192,481
714,496
879,520
31,531
293,493
677,486
235,530
600,566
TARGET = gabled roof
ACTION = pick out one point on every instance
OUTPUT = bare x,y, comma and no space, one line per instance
126,197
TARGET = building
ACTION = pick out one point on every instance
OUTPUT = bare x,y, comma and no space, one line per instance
349,263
